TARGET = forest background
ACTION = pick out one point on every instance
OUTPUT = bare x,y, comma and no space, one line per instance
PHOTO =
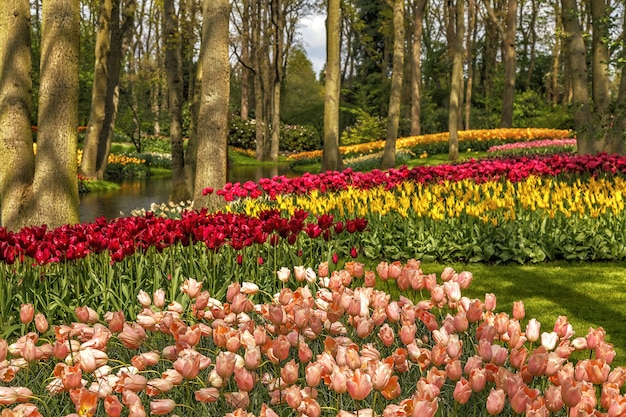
135,69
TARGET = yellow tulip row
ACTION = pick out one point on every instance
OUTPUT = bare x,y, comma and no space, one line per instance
117,159
518,135
489,201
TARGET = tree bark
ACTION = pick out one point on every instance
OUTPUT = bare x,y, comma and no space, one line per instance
174,76
508,95
456,88
55,185
90,161
211,164
278,52
577,59
395,97
110,50
471,60
17,160
331,159
508,32
416,73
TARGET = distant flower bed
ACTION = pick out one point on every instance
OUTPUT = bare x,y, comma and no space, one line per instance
534,147
432,143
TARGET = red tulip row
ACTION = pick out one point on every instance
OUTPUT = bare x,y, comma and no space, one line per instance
124,236
511,168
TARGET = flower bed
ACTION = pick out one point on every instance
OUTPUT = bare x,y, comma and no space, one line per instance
534,147
336,343
438,142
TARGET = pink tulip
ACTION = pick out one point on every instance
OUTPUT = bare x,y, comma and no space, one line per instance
112,406
495,401
41,323
454,370
478,379
158,386
386,335
191,287
158,298
424,408
8,395
207,395
27,313
562,327
313,374
244,379
86,315
518,310
359,385
225,364
144,299
162,406
533,330
338,381
289,372
293,396
490,302
549,340
554,401
188,365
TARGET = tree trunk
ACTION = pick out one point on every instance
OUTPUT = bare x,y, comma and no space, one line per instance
471,61
211,164
278,27
577,59
110,50
393,116
55,185
331,159
245,57
508,33
416,73
17,160
90,161
508,96
174,76
456,88
259,52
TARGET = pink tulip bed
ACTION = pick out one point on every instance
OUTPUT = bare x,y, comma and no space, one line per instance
280,312
329,343
534,147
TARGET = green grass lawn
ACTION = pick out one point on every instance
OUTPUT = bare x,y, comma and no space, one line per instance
589,294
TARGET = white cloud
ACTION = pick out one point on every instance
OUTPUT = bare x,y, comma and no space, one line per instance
313,31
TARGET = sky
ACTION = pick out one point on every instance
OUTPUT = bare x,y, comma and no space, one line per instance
313,35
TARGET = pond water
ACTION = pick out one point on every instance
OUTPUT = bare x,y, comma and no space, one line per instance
140,194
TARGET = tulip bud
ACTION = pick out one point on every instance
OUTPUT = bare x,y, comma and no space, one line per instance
41,324
27,312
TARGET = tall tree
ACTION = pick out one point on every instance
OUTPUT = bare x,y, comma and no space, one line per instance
212,159
456,84
17,160
109,53
416,60
508,32
393,116
331,159
174,75
594,120
39,189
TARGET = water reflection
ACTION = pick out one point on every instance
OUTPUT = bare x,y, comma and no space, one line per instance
142,193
